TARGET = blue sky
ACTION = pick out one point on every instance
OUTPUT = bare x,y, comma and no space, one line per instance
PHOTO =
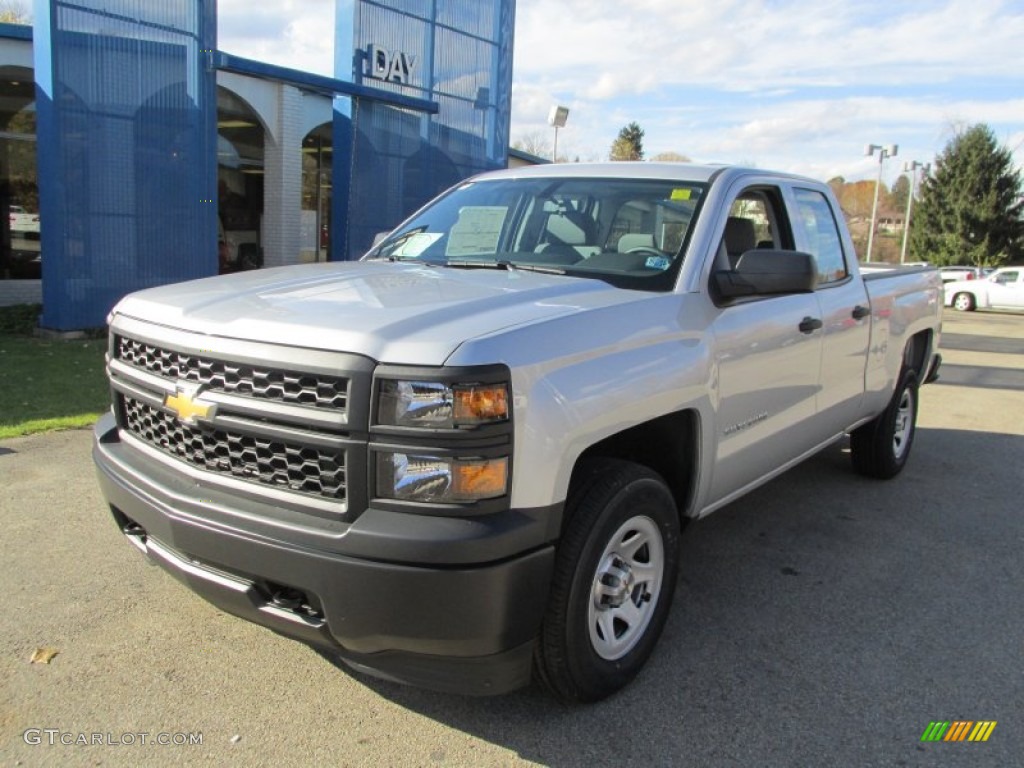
787,85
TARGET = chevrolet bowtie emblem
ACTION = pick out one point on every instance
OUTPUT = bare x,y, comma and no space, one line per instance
188,407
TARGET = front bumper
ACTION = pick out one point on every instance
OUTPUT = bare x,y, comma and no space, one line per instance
405,612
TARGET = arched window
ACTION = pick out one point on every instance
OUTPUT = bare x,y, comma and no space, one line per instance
20,257
240,143
317,149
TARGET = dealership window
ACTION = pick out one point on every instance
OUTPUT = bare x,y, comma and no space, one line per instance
240,142
20,254
316,194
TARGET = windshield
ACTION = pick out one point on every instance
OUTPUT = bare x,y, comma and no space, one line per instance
628,232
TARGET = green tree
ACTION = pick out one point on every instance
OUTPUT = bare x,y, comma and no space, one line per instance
629,145
971,210
898,195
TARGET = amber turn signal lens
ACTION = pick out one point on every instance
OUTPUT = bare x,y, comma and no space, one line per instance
481,404
481,479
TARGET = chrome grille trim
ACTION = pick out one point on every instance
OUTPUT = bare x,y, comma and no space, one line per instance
294,441
252,380
268,461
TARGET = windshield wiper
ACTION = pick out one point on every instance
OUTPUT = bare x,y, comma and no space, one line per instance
501,264
393,245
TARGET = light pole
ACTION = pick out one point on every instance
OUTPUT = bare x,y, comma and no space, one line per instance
911,168
556,118
883,152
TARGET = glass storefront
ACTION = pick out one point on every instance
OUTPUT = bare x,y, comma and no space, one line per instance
240,138
316,194
20,256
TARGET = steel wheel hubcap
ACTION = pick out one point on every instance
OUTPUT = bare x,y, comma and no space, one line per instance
901,434
626,588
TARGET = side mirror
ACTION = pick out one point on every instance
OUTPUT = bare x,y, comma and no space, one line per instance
768,272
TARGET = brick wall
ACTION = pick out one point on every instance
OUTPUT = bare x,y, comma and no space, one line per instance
282,191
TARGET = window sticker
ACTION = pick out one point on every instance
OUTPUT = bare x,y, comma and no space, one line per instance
680,194
657,262
477,230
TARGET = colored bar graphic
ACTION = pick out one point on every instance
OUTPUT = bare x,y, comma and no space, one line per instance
958,730
982,730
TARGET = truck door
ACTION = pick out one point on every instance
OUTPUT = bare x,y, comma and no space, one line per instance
1005,289
845,314
767,357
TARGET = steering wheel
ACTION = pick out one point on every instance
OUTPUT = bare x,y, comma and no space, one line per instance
646,249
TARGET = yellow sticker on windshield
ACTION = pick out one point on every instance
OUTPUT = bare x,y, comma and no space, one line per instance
680,194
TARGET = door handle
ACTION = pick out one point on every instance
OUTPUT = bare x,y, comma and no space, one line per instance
810,325
860,312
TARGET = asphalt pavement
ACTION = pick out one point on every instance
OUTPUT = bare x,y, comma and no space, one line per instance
823,620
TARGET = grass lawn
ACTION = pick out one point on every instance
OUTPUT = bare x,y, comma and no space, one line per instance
50,384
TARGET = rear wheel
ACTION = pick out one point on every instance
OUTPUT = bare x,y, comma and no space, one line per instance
963,302
614,578
881,447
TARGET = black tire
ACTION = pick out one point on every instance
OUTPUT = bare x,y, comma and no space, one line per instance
964,302
615,574
881,447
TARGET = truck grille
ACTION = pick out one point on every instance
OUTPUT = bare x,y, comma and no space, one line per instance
294,387
272,462
274,416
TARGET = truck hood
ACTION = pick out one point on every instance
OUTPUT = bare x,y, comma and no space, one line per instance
394,313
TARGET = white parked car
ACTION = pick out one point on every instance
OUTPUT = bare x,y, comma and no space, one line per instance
952,274
1003,289
22,221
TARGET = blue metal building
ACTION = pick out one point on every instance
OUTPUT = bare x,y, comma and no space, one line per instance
159,158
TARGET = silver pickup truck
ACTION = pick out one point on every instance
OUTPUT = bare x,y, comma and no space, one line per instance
468,457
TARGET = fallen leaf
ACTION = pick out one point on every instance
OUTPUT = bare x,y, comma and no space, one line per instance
43,655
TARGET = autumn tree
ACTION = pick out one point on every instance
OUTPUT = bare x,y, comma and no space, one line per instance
671,157
629,145
13,12
534,143
856,198
971,209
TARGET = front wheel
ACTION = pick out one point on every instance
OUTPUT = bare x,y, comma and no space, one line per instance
614,579
881,447
963,302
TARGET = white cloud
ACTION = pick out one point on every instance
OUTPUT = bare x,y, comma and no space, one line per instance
786,84
289,33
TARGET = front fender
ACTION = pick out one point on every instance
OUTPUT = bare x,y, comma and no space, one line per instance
579,379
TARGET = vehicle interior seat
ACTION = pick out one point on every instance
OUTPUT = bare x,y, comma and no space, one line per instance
739,238
568,237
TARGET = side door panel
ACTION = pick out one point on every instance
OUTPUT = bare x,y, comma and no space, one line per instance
766,369
844,303
767,381
1007,291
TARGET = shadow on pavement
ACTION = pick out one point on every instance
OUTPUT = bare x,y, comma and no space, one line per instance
822,615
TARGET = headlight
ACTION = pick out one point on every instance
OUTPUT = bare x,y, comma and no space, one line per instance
436,405
413,477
